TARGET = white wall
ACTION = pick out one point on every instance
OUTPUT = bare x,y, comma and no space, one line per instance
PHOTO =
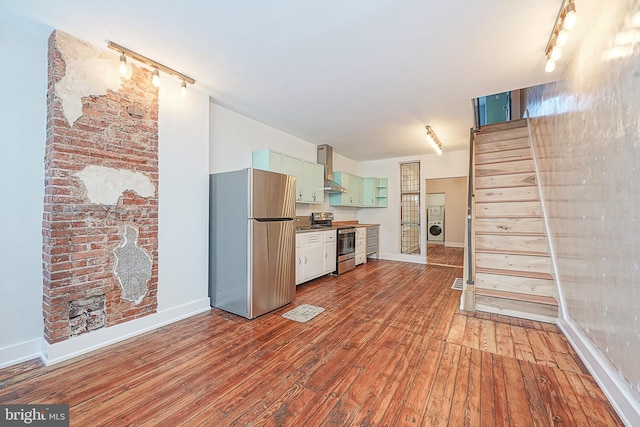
183,222
183,207
22,141
448,165
183,216
233,137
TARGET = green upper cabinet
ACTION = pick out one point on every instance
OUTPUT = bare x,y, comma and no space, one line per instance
309,176
361,192
268,160
313,189
369,192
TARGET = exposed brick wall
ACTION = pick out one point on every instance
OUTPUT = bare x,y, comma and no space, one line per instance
117,130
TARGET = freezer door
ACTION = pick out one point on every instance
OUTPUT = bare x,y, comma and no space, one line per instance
273,275
273,195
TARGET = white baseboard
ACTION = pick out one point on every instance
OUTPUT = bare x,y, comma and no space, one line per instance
453,244
617,390
59,352
21,352
416,259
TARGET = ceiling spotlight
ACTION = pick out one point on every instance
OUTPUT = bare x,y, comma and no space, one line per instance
570,17
550,65
563,36
123,64
156,78
433,140
183,88
556,53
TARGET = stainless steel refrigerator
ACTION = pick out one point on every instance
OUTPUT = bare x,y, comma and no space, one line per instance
252,241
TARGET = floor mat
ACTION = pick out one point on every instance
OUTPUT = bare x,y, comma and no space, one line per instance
303,313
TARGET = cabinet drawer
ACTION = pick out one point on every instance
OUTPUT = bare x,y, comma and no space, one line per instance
361,232
361,258
329,236
309,239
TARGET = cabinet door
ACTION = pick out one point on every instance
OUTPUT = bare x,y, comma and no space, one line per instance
293,166
299,258
313,261
267,160
350,198
358,196
330,256
369,192
313,183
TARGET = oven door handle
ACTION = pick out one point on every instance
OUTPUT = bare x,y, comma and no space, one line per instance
346,230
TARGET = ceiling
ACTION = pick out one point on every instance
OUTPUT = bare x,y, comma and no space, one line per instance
364,76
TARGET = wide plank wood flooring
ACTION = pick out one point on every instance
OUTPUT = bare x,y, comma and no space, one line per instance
391,349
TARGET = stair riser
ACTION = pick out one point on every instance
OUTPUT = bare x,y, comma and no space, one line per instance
522,309
505,242
497,146
536,264
505,168
509,225
521,285
508,209
504,156
506,194
497,127
483,136
500,181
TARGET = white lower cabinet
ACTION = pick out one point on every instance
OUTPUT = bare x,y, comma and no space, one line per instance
330,251
361,245
315,255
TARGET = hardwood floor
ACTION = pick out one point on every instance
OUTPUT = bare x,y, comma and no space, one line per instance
390,349
445,256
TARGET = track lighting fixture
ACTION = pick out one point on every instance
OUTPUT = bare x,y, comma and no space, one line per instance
156,78
433,140
565,21
183,88
123,64
157,67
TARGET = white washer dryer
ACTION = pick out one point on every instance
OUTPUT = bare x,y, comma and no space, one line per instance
435,231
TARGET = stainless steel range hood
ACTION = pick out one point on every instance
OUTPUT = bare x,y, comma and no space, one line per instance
325,158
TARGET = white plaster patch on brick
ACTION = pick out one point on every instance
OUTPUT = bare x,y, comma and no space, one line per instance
105,185
133,267
89,71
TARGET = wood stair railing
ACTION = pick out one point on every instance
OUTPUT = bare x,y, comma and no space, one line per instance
512,262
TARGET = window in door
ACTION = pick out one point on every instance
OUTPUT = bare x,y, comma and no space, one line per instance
410,207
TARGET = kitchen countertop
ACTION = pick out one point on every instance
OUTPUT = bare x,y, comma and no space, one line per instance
336,225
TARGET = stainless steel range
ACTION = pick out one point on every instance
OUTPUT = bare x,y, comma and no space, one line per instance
346,249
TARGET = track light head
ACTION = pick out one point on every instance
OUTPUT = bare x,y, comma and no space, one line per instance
156,78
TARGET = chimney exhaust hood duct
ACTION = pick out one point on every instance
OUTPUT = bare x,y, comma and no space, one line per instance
325,158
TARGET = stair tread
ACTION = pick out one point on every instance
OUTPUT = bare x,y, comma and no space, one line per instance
502,135
498,161
511,124
488,145
518,273
539,299
506,216
478,201
511,252
484,175
509,233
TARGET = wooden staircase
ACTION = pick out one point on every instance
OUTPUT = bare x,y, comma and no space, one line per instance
513,273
